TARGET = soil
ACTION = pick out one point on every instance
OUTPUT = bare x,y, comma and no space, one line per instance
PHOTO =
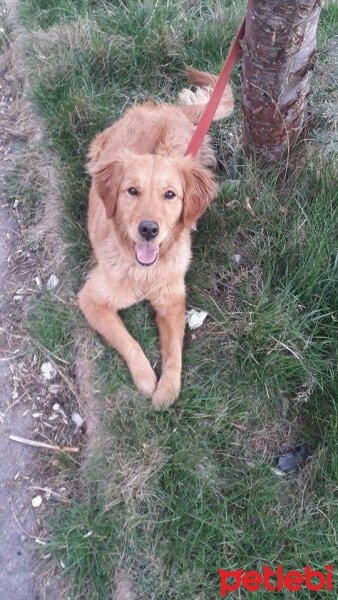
20,473
18,519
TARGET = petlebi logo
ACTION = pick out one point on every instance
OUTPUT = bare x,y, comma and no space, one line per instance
276,580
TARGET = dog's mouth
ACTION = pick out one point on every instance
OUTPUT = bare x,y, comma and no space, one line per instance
146,253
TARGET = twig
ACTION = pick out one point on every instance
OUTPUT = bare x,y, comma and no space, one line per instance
13,132
293,352
34,537
36,444
49,491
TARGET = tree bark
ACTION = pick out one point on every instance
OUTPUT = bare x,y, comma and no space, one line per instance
279,52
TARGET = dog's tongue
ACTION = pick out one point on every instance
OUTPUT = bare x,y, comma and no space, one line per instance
146,252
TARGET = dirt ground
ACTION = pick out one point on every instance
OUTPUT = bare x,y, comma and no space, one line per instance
20,528
18,519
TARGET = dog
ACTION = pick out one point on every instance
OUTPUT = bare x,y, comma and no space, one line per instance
144,201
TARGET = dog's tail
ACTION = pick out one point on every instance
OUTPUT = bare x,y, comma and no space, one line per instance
193,103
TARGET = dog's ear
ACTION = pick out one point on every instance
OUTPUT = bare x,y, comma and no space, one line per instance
199,190
107,178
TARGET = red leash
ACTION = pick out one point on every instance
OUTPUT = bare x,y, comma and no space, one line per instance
215,98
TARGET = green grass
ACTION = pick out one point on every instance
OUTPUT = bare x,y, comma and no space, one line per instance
169,498
50,322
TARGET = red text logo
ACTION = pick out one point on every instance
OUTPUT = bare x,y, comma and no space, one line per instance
275,580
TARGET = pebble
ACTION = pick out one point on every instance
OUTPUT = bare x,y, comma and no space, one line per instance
52,283
48,371
77,419
55,389
36,501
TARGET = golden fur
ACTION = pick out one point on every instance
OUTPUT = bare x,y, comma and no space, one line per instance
143,153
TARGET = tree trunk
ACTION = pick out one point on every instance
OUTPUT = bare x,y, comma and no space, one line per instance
279,51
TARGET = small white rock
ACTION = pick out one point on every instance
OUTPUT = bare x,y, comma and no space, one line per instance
195,318
77,419
237,258
58,409
55,389
48,371
36,501
38,282
52,283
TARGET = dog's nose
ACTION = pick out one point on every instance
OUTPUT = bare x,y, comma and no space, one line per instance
148,229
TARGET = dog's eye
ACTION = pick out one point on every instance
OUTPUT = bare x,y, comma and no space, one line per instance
169,195
132,191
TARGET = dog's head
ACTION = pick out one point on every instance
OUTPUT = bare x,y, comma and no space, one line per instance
151,198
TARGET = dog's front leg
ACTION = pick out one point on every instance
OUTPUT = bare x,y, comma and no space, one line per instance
170,319
107,322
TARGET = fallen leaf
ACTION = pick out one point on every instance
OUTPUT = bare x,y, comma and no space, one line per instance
239,426
231,204
248,207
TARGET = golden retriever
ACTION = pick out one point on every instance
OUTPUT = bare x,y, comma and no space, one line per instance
144,201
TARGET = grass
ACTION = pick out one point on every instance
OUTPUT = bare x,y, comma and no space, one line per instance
50,323
167,499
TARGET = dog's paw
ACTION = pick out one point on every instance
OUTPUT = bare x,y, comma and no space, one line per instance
145,380
165,395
